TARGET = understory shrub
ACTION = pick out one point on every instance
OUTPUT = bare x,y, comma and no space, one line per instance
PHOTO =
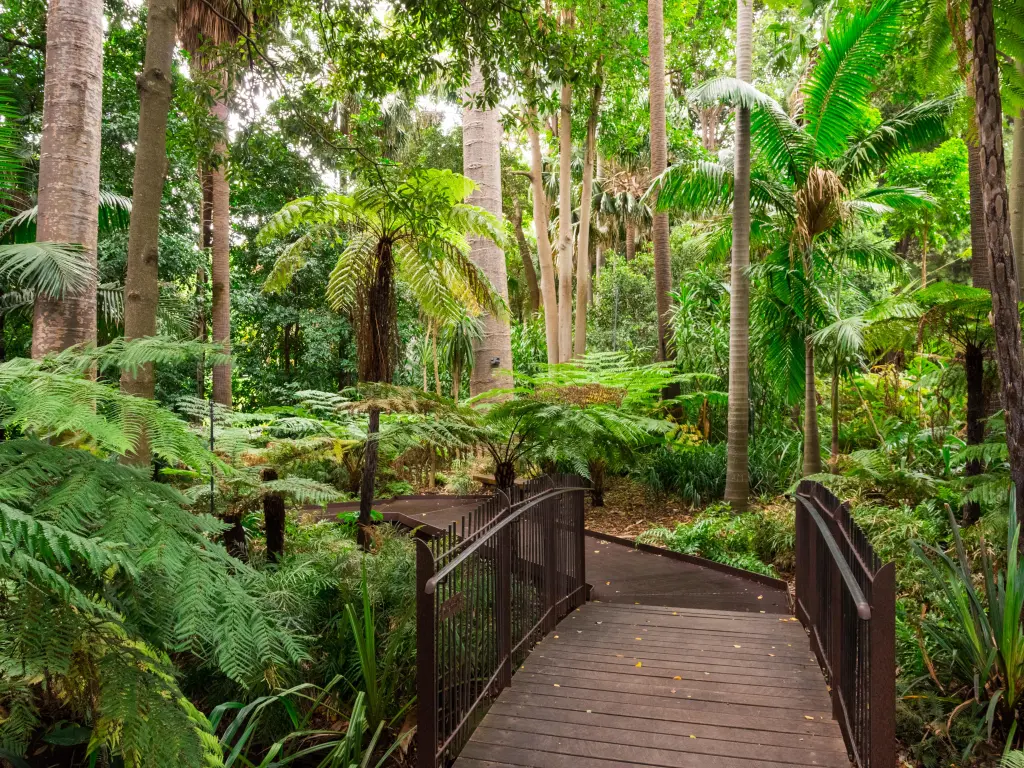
761,541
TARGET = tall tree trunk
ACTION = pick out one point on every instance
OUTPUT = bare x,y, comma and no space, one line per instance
69,164
974,373
924,258
481,153
1003,268
221,311
1017,186
833,459
527,257
142,281
737,474
659,159
583,248
812,437
205,245
599,250
565,239
273,519
630,241
437,370
980,276
540,225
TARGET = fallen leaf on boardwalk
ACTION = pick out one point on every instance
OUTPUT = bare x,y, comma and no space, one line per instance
674,690
589,711
808,717
771,654
760,597
735,646
557,685
556,637
675,613
607,583
692,736
639,638
639,663
678,677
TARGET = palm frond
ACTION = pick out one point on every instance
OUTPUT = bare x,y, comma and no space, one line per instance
54,269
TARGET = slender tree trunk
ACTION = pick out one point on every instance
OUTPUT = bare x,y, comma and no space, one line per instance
737,476
833,459
205,245
974,373
1003,268
221,311
456,382
437,370
924,259
481,152
69,164
659,159
142,281
599,250
1017,187
540,225
527,257
273,519
812,437
980,276
583,257
565,239
630,241
369,476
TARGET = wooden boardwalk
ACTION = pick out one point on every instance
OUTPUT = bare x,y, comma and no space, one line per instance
629,682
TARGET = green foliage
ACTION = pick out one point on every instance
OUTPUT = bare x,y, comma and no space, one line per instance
756,541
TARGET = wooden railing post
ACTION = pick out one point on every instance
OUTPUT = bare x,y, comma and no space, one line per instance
882,654
426,661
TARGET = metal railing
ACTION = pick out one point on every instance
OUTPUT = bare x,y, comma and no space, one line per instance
486,591
846,598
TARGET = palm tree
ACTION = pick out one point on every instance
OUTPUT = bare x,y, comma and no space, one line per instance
142,282
459,338
659,159
1005,290
737,475
204,27
481,152
412,227
69,165
812,177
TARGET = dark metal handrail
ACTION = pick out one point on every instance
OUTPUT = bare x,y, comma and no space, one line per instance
486,591
508,519
846,599
856,593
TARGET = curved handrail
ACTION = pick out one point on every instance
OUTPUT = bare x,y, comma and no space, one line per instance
863,606
432,582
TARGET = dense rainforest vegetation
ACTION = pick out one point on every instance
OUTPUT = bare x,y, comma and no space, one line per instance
258,256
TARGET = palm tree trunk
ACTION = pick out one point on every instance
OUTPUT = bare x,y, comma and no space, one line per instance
205,245
527,257
565,239
659,159
69,164
737,474
481,153
141,284
1005,293
221,310
437,371
583,257
540,225
812,437
630,241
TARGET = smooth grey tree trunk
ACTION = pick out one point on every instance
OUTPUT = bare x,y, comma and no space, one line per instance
565,239
583,285
221,271
737,477
142,281
541,226
481,160
69,165
659,159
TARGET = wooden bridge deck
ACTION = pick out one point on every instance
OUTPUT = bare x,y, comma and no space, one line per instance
629,682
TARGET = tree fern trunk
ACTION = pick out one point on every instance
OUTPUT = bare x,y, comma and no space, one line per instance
540,225
69,164
1005,291
630,252
737,476
980,277
370,456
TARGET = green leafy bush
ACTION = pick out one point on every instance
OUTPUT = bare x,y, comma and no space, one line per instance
755,541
